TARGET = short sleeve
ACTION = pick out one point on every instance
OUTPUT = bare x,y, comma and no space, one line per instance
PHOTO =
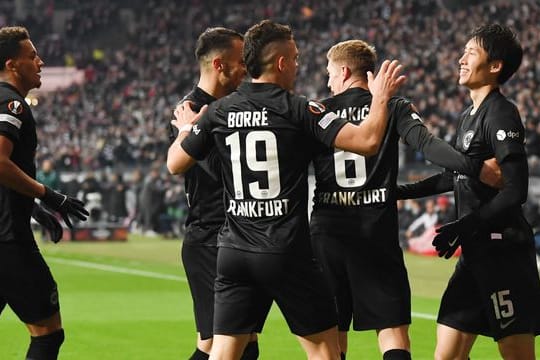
322,124
505,131
407,117
199,142
11,118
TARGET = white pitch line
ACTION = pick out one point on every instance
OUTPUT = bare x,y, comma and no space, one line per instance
156,275
424,316
116,269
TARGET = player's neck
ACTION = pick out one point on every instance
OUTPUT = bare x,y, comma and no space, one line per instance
270,78
357,83
8,79
211,87
479,94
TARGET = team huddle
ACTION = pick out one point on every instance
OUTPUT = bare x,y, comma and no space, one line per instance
244,147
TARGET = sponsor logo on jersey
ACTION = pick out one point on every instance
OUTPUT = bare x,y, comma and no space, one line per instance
502,134
196,129
467,139
327,119
316,107
15,107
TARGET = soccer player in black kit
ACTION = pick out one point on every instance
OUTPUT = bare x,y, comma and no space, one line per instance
495,289
26,283
354,223
219,54
265,137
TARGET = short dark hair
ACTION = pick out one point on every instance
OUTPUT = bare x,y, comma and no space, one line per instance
255,40
216,38
500,43
10,38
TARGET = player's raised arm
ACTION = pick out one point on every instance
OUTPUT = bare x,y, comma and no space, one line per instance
366,138
178,160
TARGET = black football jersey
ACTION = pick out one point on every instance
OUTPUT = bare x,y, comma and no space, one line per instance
493,130
204,189
264,136
17,124
353,192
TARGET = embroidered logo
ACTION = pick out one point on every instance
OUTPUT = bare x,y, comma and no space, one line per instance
316,107
327,119
467,139
15,107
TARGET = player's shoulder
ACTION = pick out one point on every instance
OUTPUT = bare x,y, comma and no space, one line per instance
497,102
399,101
198,97
12,103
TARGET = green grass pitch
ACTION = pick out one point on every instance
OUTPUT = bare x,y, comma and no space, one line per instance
131,301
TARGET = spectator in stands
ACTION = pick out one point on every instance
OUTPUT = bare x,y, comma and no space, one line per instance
446,212
426,221
116,198
48,176
152,201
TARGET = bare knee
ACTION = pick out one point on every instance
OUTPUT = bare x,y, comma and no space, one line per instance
517,347
45,326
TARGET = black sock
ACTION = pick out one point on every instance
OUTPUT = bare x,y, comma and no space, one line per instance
45,347
397,354
342,355
199,355
251,352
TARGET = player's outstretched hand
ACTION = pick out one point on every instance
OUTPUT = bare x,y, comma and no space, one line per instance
185,116
450,236
65,205
48,221
387,81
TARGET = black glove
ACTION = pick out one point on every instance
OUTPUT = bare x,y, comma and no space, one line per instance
450,236
64,205
48,221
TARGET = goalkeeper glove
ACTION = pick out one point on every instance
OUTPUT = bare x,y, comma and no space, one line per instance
65,205
450,236
48,221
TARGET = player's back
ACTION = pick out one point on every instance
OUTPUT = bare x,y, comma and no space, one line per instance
264,136
350,185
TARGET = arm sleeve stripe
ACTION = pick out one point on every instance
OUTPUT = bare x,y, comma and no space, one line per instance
11,119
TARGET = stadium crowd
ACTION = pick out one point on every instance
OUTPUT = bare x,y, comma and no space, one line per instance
137,60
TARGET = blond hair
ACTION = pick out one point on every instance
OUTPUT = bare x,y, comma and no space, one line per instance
357,55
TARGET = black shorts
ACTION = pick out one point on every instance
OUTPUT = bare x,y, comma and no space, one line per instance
200,266
247,283
368,277
26,283
494,291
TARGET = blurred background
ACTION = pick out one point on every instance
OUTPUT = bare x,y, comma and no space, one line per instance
115,69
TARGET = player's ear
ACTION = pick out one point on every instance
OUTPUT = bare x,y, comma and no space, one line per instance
10,65
495,66
217,64
345,72
281,63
